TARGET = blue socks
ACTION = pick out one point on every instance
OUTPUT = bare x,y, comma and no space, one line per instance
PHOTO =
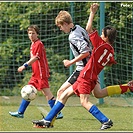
54,111
25,103
51,103
98,114
23,106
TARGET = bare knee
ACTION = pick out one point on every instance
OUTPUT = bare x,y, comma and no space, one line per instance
86,104
59,92
83,103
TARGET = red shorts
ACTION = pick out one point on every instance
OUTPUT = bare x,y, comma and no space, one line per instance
82,86
39,84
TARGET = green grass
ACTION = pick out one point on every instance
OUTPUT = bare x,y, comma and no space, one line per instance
76,118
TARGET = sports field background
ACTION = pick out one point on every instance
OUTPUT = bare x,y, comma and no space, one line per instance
76,118
14,51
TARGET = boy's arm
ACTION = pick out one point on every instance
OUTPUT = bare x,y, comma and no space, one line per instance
28,63
68,63
93,10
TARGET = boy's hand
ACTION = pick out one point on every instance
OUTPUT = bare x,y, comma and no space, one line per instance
94,8
21,68
67,63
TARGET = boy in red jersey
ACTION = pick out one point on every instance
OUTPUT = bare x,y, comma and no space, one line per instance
102,55
40,70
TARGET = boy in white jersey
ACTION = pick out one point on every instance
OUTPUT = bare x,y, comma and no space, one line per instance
79,44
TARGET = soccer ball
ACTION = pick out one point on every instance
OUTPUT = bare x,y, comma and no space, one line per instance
28,92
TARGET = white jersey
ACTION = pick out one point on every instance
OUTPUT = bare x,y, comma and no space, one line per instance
80,43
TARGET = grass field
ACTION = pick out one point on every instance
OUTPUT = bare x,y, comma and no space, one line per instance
76,118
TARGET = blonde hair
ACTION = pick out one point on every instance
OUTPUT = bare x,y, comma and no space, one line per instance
63,16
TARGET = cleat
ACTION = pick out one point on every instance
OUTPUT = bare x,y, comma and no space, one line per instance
59,116
42,123
16,114
130,84
107,125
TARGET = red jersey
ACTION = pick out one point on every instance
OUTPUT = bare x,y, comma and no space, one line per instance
40,68
102,55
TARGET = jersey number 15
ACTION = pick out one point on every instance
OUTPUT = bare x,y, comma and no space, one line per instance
107,59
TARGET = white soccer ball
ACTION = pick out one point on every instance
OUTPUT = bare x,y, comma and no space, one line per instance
29,92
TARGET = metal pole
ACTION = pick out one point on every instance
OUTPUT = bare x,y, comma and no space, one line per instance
70,53
102,24
132,55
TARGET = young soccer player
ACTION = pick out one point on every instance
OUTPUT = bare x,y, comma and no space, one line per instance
79,43
102,55
40,70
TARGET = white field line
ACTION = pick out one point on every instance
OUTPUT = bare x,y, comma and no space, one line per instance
44,111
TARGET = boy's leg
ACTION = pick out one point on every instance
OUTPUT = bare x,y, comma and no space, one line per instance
55,109
49,119
20,113
84,99
51,103
118,89
106,123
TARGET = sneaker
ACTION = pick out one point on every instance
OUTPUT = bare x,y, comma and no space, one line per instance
106,125
16,114
59,116
42,123
130,84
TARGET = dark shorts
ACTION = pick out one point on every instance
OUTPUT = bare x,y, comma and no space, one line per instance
73,78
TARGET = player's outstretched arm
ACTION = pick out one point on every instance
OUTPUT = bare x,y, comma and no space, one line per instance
93,10
32,60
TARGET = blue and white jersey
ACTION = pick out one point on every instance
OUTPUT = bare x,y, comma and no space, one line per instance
79,44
